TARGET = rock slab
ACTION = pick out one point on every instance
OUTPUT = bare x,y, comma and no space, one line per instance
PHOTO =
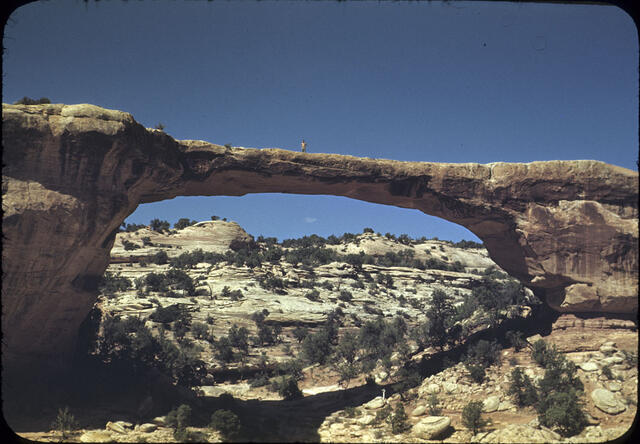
431,426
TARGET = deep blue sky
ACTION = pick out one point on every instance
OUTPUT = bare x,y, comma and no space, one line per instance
442,82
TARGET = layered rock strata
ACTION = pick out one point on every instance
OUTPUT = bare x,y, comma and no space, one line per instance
73,173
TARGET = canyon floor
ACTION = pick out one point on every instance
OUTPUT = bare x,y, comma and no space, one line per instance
297,295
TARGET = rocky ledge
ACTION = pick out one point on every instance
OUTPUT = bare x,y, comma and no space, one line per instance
72,173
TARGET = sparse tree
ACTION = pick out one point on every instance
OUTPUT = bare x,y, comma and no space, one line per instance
441,315
159,225
65,422
472,416
300,333
398,421
226,422
521,388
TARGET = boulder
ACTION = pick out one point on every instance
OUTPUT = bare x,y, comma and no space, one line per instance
519,433
506,405
366,419
613,360
589,366
117,427
431,426
450,387
608,348
147,427
419,411
607,401
381,377
432,389
614,386
96,436
375,403
490,404
159,420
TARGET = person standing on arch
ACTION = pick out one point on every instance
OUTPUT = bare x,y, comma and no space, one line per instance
304,146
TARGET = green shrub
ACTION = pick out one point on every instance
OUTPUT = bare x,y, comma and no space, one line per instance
472,416
327,285
385,279
564,411
29,101
345,296
313,295
351,411
179,418
300,332
65,422
316,347
260,380
156,282
184,222
630,358
159,225
540,352
476,371
271,282
131,228
268,335
292,368
224,350
160,258
199,330
128,245
226,422
111,283
239,338
441,316
398,421
289,390
484,353
516,340
432,405
169,314
466,244
184,435
382,414
521,388
559,403
370,381
180,280
259,316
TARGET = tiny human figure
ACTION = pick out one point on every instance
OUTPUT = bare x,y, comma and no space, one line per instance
304,146
383,393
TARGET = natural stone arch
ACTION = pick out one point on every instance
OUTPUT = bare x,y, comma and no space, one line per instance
566,229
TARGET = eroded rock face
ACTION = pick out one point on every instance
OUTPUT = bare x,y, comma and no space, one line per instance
73,173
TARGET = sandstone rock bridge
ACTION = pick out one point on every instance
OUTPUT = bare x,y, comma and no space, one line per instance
72,173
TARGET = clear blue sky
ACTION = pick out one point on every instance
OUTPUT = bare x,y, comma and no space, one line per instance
441,82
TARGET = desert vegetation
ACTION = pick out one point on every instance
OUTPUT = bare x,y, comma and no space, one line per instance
367,320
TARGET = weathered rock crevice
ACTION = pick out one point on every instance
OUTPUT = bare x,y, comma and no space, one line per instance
73,173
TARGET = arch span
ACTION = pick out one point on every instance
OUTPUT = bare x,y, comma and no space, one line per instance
73,173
